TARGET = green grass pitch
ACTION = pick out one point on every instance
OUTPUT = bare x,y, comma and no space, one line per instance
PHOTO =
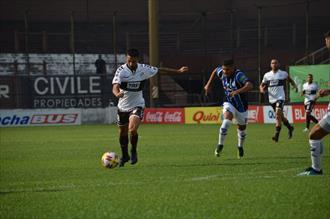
55,172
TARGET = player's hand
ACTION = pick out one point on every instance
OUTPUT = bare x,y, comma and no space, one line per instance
183,69
263,89
233,93
120,94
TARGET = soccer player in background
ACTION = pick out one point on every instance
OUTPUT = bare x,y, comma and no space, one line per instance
128,83
236,85
275,80
309,91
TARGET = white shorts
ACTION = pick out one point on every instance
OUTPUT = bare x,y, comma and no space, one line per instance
325,122
241,117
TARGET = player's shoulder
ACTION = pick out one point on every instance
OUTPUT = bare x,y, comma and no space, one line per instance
121,69
218,70
267,74
146,67
283,72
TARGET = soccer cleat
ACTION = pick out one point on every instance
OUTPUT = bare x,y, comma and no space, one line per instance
275,138
218,150
123,160
310,172
240,152
306,130
290,132
134,158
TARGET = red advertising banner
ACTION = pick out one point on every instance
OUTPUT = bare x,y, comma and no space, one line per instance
299,115
163,115
255,114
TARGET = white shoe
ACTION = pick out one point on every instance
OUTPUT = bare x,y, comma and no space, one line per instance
306,130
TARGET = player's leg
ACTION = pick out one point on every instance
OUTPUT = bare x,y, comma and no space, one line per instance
316,135
311,117
287,124
278,119
241,137
134,123
123,136
281,118
227,119
308,121
241,118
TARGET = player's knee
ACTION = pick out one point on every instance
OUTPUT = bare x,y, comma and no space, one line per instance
133,130
241,134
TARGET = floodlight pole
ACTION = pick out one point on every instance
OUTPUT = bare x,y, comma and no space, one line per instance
259,48
114,37
26,36
72,47
153,48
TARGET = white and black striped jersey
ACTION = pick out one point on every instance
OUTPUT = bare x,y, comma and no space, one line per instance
275,82
310,91
131,84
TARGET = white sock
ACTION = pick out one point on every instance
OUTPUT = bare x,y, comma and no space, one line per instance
223,130
241,137
316,152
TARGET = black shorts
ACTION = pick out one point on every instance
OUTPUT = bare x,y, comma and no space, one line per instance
309,106
123,117
278,105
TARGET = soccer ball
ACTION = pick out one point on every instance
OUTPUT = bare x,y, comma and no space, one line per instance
110,160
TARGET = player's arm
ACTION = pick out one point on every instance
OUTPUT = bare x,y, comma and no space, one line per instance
247,86
262,87
116,91
302,93
164,70
209,82
292,83
324,92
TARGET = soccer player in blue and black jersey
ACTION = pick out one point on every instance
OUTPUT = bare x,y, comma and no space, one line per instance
236,85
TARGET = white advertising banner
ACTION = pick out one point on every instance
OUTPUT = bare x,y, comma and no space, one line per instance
40,117
269,114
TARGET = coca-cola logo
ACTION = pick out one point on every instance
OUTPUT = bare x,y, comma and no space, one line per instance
200,116
163,117
173,117
154,116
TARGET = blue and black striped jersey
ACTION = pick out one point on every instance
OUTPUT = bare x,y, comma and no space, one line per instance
236,81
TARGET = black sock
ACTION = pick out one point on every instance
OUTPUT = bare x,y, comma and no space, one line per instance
313,119
308,121
277,131
123,140
287,124
134,140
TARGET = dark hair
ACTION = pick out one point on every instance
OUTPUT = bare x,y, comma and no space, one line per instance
327,34
133,52
310,75
228,62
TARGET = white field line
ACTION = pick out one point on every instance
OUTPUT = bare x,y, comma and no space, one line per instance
250,175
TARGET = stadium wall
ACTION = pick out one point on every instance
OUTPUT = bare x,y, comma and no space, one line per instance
188,115
46,117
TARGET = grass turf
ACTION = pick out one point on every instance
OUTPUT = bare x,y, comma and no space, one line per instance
55,172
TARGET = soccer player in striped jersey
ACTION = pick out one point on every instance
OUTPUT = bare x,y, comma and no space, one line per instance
309,91
275,80
236,85
128,84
